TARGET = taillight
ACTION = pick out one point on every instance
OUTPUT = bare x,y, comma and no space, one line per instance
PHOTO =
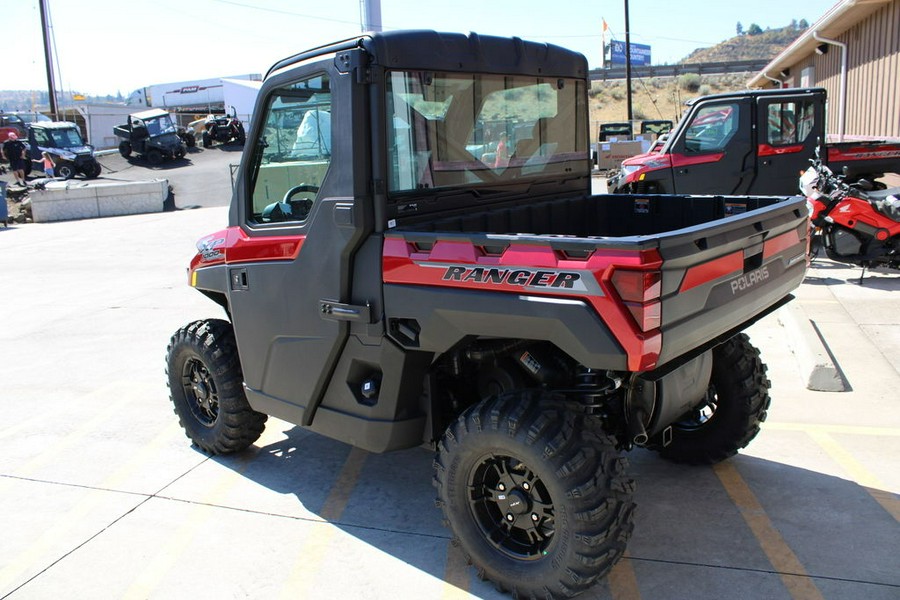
640,291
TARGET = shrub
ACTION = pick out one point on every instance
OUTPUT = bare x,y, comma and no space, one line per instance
689,82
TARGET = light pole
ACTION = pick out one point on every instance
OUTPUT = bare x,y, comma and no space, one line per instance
52,88
628,63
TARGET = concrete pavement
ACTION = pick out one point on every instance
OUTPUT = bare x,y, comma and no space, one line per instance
103,497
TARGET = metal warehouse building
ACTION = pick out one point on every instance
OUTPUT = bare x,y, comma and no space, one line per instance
854,52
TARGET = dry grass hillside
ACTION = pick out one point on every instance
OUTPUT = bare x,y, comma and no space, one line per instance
664,97
749,46
656,97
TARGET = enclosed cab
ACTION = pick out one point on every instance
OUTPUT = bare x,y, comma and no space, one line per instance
414,256
63,142
152,134
751,142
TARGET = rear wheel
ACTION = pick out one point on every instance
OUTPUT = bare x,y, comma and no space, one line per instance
125,149
535,495
736,403
206,388
207,140
65,169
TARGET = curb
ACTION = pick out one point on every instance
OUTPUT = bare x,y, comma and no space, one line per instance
811,350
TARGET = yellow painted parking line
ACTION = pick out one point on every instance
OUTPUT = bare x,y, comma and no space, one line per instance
622,581
858,473
312,554
28,425
842,429
169,553
64,444
456,573
64,522
783,559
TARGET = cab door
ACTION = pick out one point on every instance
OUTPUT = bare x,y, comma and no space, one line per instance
788,128
713,154
302,218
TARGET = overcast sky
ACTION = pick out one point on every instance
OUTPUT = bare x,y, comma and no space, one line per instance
104,47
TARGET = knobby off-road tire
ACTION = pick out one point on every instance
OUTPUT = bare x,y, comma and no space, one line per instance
154,157
206,388
65,169
736,404
536,495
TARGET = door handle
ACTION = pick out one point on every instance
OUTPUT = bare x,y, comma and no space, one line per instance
339,311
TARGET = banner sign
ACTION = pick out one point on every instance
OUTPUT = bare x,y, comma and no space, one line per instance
640,54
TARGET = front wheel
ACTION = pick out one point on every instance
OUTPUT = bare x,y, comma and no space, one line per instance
154,157
93,170
535,494
206,388
729,418
207,139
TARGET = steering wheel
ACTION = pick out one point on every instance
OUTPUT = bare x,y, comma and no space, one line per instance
303,187
300,207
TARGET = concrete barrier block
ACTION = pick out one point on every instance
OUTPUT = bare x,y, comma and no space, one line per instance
817,366
68,200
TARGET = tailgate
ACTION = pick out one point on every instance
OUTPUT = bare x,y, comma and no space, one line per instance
718,276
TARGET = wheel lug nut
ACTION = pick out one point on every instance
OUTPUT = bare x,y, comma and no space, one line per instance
525,486
510,518
501,487
534,517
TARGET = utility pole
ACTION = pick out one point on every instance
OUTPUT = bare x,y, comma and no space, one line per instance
628,63
47,59
371,15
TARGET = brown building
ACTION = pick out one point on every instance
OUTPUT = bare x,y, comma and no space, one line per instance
853,51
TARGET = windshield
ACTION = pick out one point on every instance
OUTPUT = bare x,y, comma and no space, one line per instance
159,125
66,138
449,129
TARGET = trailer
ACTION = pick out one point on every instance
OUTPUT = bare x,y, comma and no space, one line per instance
205,95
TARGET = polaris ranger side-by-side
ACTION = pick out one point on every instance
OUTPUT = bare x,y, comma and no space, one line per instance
63,142
414,257
751,142
152,134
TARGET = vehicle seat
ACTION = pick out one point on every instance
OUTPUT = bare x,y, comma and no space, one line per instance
887,202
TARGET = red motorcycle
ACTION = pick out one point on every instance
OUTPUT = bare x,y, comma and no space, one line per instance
857,224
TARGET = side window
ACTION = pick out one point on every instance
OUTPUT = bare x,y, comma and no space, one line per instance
41,137
789,123
293,152
712,128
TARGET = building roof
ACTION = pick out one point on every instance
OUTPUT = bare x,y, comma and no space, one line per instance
149,114
841,17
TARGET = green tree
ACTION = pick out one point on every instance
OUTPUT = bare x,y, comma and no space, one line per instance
803,24
739,29
754,29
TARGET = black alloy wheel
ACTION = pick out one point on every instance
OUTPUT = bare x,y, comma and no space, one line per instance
65,169
200,392
736,403
536,495
512,507
206,388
